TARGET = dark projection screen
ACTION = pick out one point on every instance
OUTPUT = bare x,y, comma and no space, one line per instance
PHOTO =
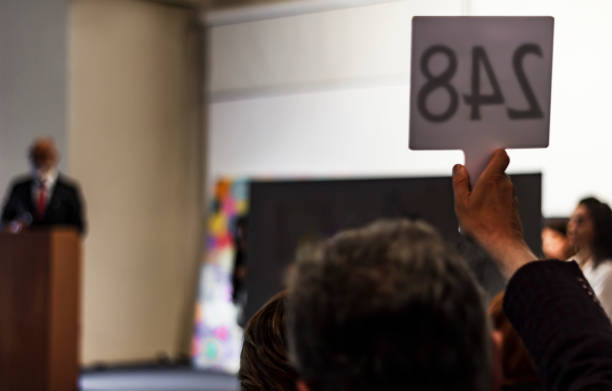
285,214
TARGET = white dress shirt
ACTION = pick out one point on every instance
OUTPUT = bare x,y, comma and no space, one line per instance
600,279
49,178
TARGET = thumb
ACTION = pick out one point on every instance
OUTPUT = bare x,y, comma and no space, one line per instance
461,184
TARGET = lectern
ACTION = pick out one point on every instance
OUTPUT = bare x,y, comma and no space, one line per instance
39,310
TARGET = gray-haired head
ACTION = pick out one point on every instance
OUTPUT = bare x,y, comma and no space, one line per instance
387,307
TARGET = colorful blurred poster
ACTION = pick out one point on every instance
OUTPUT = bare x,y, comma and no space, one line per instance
217,338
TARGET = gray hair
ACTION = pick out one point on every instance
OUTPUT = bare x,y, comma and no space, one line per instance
387,307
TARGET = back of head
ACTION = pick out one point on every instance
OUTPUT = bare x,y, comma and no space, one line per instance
264,360
601,215
558,224
387,307
555,243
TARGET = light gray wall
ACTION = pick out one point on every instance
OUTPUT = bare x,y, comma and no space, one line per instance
33,102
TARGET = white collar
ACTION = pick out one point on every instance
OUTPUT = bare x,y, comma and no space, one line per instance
49,178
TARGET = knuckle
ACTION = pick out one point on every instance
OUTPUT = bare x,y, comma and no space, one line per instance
459,179
506,158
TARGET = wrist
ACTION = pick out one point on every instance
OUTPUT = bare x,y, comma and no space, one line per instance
509,254
516,256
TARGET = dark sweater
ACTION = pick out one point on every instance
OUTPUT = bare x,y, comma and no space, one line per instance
564,328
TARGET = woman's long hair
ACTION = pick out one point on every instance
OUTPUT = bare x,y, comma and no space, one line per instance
601,215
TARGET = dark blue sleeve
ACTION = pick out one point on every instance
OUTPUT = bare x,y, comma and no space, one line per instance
77,214
12,206
565,330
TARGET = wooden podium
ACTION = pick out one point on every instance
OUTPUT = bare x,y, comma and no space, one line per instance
40,273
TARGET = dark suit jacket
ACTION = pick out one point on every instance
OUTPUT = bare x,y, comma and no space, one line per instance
64,208
565,330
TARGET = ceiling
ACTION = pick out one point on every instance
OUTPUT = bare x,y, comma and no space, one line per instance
217,4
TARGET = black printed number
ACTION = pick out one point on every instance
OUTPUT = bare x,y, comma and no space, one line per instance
517,63
480,61
440,81
479,56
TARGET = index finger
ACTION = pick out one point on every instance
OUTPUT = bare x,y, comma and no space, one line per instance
496,167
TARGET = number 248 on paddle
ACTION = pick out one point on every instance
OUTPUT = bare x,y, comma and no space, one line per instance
480,81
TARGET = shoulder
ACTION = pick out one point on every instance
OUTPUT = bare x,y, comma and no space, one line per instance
68,187
604,269
24,181
600,278
66,183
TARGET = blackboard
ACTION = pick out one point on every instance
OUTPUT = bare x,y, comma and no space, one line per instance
285,214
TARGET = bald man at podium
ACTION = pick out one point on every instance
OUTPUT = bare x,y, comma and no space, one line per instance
44,198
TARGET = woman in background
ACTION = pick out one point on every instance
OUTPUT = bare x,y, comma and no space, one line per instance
590,233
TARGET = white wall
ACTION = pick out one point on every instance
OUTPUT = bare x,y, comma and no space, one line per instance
325,92
32,80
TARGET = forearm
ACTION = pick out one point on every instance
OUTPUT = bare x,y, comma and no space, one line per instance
9,212
510,256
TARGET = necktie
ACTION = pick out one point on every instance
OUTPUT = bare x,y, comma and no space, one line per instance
42,201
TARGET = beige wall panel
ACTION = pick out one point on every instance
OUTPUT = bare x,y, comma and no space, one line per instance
135,146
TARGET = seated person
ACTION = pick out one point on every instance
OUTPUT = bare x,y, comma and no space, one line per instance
390,306
555,244
45,198
264,361
518,370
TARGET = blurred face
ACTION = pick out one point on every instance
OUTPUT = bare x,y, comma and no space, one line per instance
554,244
43,156
580,229
44,164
